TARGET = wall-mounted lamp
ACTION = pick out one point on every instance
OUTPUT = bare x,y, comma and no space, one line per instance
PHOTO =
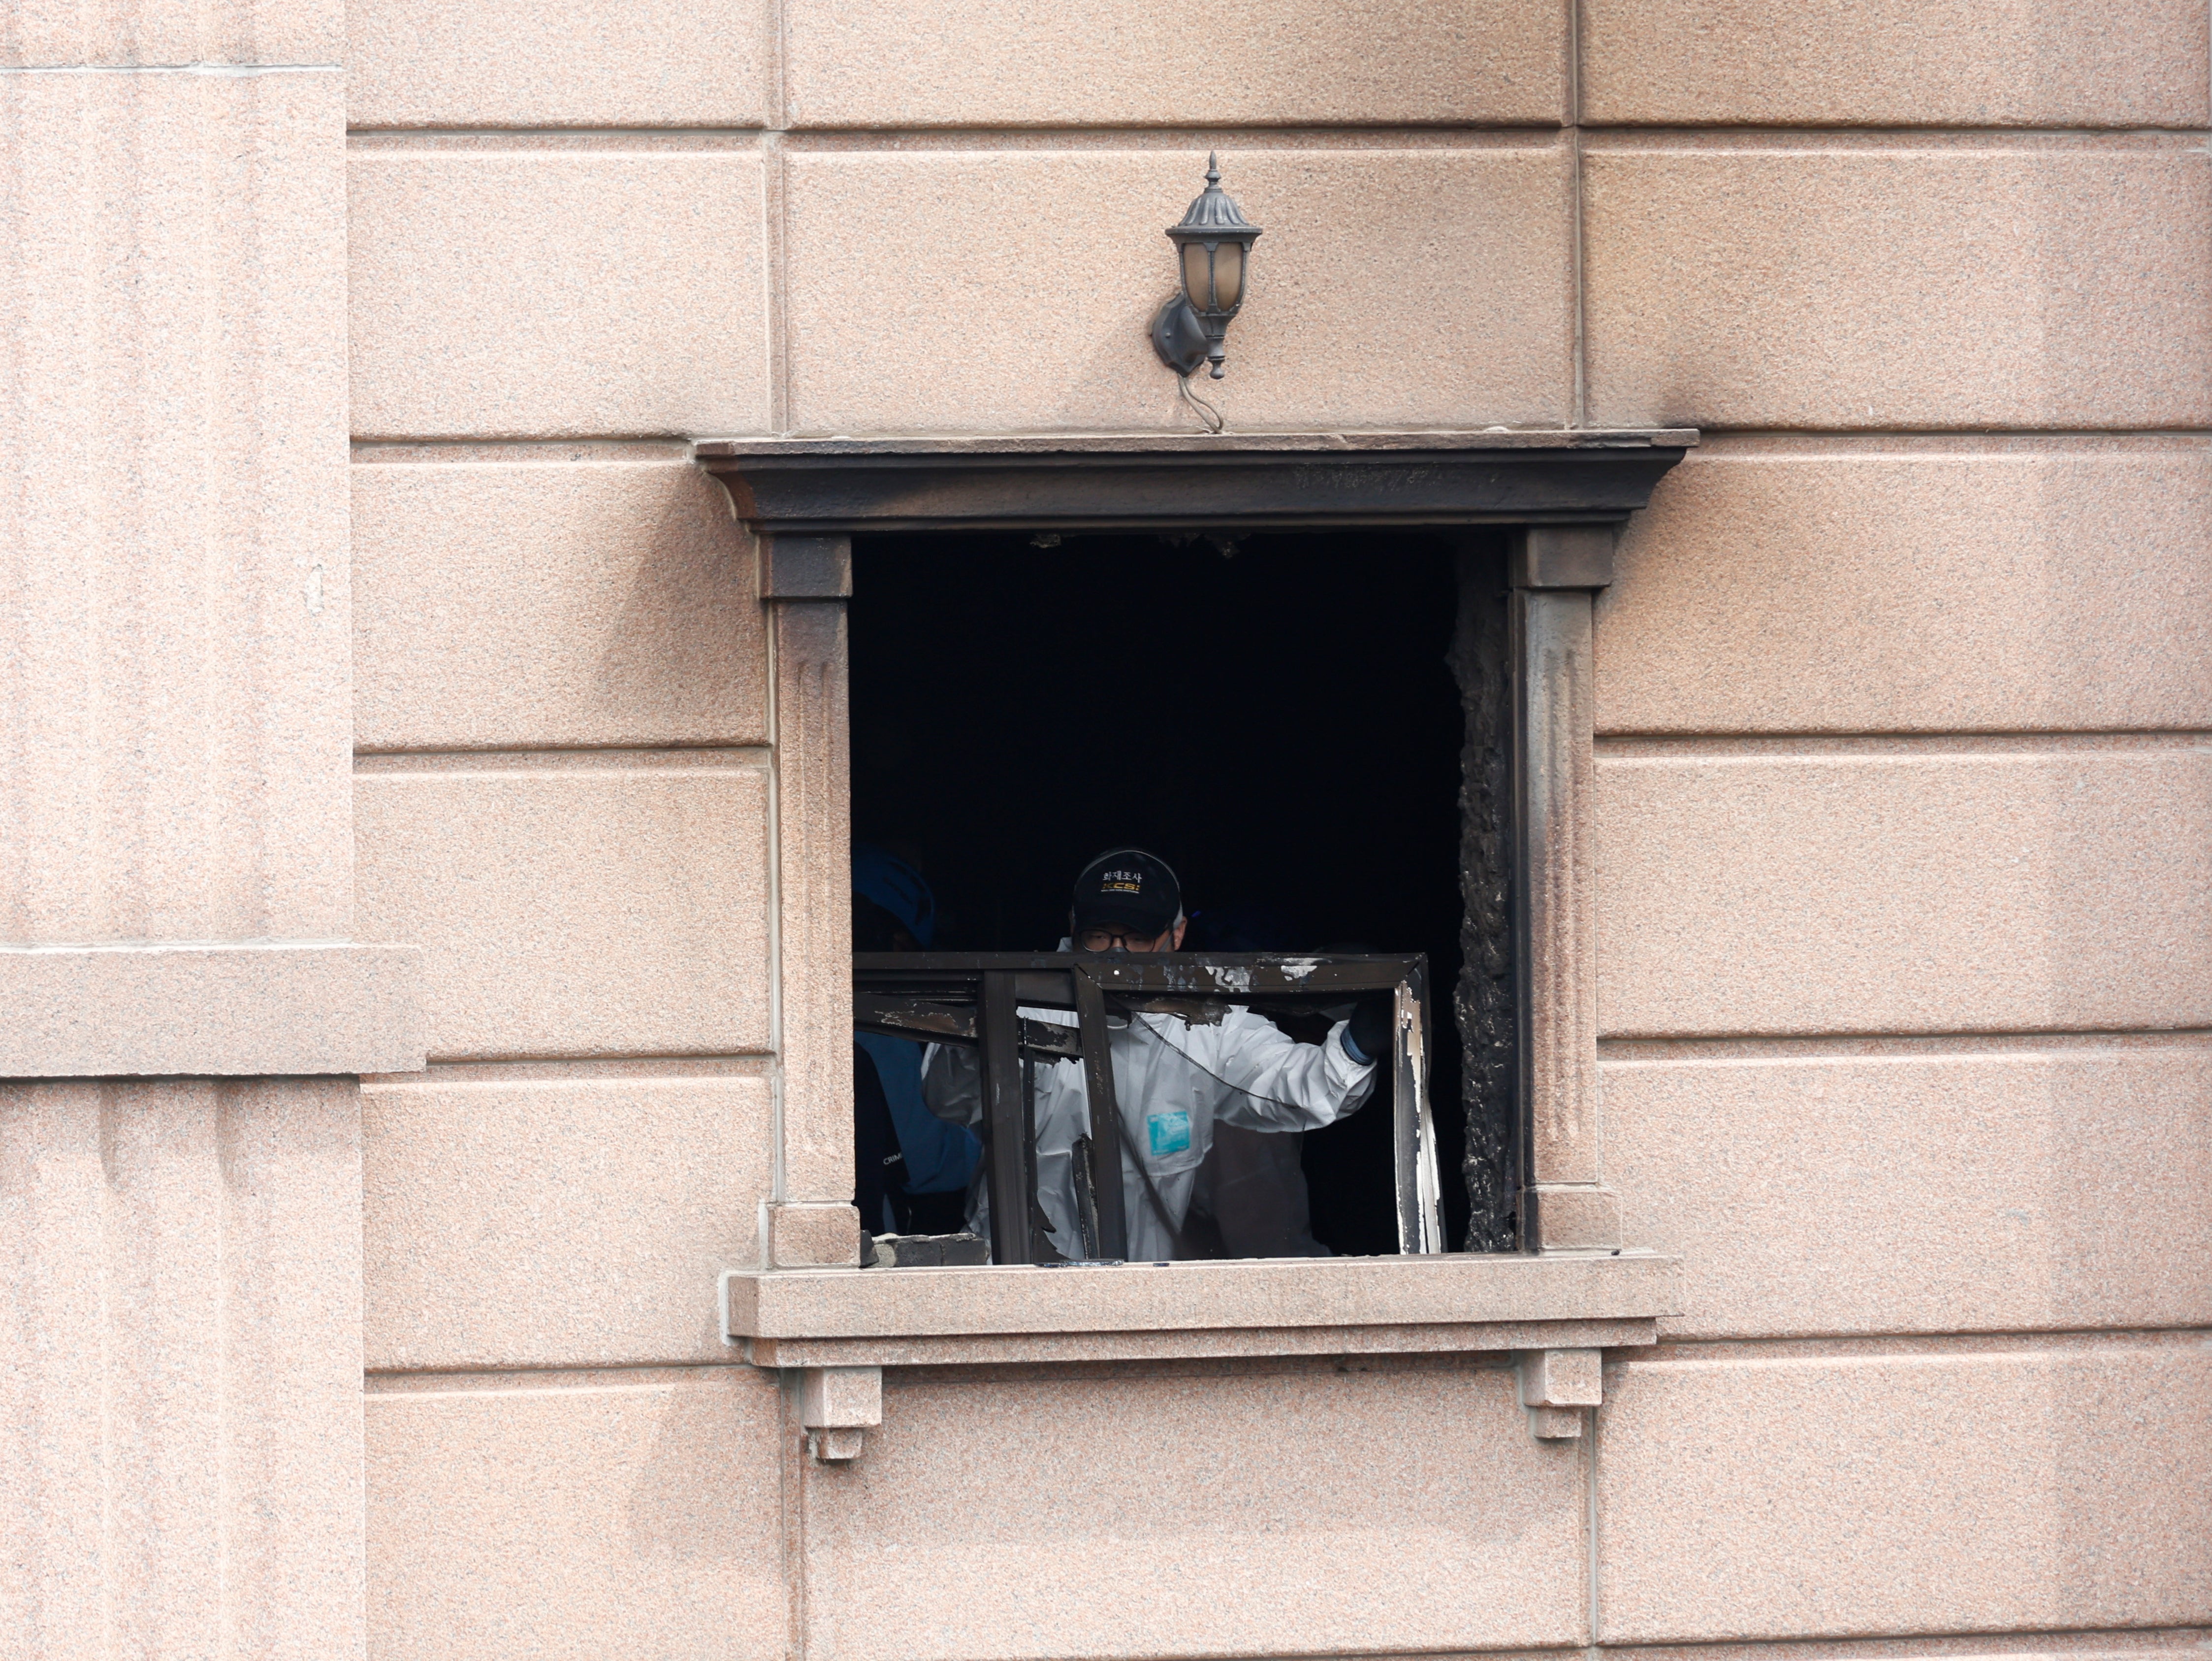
1213,248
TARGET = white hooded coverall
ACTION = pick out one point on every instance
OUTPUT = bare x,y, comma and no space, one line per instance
1173,1080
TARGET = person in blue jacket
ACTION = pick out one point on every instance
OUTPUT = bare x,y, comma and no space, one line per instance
925,1178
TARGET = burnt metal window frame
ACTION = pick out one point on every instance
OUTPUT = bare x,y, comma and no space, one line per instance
974,1000
1572,1287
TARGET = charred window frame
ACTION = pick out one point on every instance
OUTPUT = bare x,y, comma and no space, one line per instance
975,999
1562,496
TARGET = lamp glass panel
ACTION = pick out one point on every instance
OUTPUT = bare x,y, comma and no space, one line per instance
1193,275
1229,275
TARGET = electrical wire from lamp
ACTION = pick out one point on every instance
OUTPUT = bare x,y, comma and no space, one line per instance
1206,412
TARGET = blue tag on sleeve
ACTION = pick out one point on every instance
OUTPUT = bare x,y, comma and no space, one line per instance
1170,1133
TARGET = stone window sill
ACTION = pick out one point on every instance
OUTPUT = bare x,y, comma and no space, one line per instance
878,1318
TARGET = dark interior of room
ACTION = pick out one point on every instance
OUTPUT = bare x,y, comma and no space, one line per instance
1273,716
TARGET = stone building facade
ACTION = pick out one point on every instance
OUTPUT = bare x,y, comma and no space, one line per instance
423,849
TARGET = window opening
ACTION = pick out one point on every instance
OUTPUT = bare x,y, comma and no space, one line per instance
1277,716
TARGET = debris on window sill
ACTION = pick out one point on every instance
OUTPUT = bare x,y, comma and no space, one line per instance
962,1251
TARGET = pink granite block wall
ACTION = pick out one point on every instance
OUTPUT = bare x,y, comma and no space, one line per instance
1851,282
556,287
1887,1185
565,597
576,1514
563,757
1903,801
129,35
1987,1485
670,64
1864,885
1799,584
1379,1505
583,902
1934,64
1472,318
562,795
558,1214
1129,63
1901,692
180,1428
172,514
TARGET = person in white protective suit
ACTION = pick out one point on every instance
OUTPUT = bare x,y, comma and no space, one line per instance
1174,1078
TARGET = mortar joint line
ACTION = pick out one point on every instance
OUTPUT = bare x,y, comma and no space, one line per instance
204,68
777,1179
775,217
1751,1047
1594,1568
1577,274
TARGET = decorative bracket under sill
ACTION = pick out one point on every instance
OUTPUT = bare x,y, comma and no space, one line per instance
1556,1386
837,1407
839,1328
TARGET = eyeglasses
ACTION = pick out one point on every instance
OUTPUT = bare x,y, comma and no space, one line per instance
1114,940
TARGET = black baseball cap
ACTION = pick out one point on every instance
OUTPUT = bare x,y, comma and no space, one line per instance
1128,888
